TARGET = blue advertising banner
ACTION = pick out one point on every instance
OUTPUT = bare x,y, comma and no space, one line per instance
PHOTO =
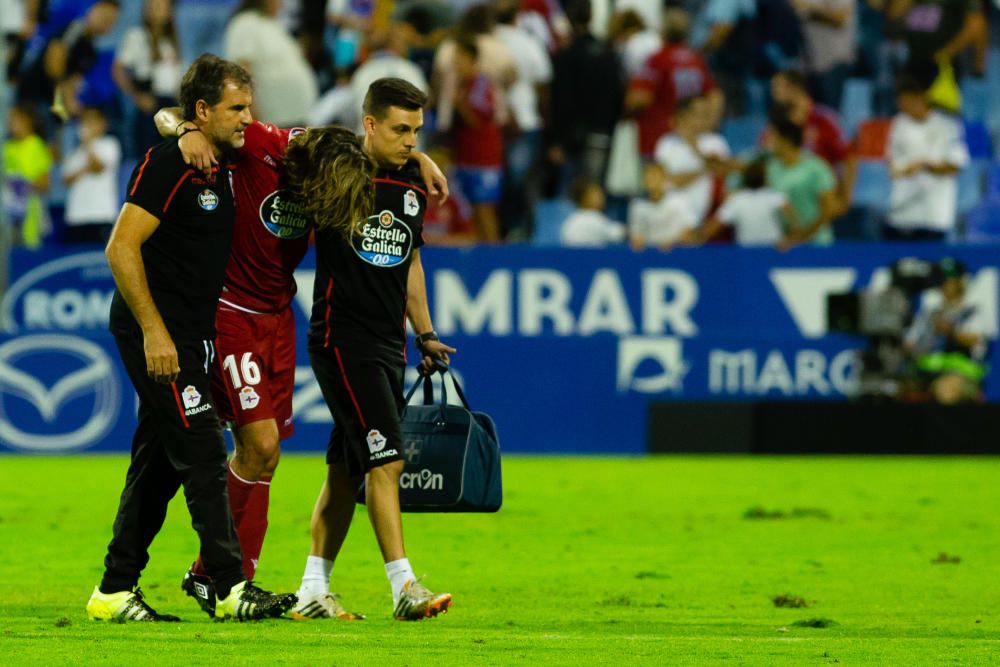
564,348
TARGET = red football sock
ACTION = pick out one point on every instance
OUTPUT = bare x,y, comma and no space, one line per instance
239,491
254,525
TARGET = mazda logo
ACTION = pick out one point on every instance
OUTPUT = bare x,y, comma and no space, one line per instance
90,372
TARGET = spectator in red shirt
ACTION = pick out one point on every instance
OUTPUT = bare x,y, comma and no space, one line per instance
448,223
478,140
821,131
674,72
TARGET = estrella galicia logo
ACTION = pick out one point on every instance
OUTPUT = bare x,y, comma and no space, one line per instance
57,393
385,240
71,293
208,200
283,216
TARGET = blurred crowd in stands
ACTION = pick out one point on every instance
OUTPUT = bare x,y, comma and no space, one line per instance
653,123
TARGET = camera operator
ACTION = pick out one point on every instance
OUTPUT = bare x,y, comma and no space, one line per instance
947,341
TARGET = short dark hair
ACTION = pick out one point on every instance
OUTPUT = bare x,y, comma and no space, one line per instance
392,92
467,44
419,18
477,20
788,130
910,84
29,112
685,104
206,80
579,12
755,174
579,187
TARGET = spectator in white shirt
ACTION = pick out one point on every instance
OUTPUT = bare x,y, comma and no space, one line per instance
634,39
285,87
690,154
91,176
148,69
759,215
926,151
387,60
587,226
534,74
663,219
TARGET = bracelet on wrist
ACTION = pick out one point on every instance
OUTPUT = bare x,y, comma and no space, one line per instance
188,130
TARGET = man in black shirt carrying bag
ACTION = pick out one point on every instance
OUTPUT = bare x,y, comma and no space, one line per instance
168,253
367,284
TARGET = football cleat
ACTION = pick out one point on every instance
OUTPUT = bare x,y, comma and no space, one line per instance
246,602
201,588
416,602
123,606
326,605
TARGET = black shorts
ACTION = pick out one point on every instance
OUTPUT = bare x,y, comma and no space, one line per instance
365,395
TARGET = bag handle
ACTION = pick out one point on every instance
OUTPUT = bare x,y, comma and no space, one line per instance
427,381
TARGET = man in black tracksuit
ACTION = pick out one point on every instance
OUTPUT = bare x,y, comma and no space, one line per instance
366,287
168,253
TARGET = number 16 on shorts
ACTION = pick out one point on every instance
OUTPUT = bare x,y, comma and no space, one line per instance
243,377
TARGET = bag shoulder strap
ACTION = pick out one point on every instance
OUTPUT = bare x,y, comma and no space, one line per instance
458,389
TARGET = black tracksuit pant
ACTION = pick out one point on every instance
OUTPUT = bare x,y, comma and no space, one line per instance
178,442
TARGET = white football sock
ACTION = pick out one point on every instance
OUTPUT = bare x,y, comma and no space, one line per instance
399,572
316,578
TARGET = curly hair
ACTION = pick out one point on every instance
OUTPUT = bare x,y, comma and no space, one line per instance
332,175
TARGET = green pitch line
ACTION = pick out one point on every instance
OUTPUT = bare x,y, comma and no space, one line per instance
666,560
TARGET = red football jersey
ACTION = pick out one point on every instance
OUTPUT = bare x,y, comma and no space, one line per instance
271,235
822,135
481,145
673,73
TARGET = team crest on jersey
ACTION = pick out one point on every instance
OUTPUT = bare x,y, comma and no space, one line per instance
191,397
208,200
376,441
411,205
284,216
385,240
249,398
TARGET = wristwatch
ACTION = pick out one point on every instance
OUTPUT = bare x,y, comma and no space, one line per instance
426,338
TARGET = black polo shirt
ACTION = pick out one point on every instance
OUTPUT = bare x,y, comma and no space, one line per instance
359,298
185,258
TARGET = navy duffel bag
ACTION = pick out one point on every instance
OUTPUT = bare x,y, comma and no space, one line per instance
451,454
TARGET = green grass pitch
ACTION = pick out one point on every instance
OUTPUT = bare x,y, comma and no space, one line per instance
669,560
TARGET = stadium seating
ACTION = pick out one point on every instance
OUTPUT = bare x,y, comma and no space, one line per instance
993,181
971,185
873,137
856,104
975,99
744,133
978,139
871,190
982,224
549,216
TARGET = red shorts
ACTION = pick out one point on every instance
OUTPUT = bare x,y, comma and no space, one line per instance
254,374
